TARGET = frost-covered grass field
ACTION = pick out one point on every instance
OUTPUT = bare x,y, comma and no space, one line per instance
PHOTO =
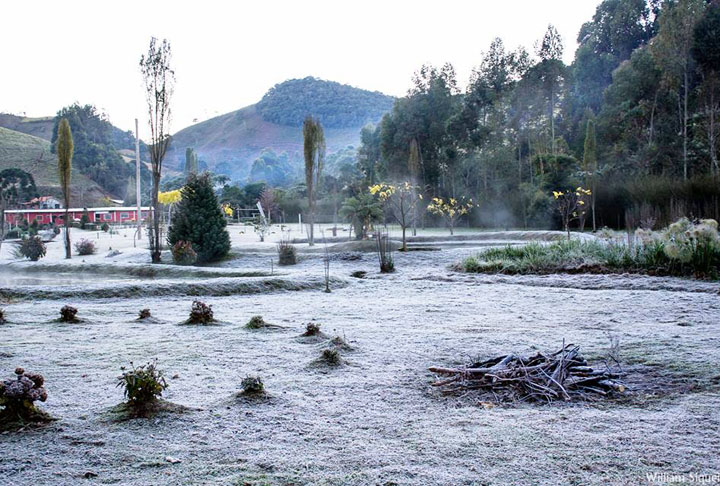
374,420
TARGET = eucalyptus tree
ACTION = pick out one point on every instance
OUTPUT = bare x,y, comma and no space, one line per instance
159,79
64,150
314,152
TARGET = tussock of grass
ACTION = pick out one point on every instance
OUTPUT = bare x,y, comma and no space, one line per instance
584,257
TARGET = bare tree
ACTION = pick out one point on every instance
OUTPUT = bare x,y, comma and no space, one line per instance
159,81
314,151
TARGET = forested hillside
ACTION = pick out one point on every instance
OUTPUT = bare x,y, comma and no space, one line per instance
335,105
230,143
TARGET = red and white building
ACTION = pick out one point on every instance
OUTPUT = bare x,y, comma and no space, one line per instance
110,215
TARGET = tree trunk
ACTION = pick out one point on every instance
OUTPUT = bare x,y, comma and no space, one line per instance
68,250
155,253
685,122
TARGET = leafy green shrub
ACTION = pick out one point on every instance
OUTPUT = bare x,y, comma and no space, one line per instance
201,313
33,248
142,385
252,385
198,219
85,247
18,396
183,253
68,313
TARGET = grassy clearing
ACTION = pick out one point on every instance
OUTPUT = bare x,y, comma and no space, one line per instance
650,257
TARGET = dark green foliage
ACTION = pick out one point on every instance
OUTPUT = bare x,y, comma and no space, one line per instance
362,211
199,220
191,162
330,357
335,105
142,385
273,169
96,145
84,219
33,248
85,247
183,253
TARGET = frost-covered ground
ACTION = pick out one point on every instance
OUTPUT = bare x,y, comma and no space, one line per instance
376,420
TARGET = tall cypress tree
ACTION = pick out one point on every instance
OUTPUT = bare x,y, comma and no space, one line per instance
64,154
199,220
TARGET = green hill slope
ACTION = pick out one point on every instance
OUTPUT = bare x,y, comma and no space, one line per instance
32,154
230,143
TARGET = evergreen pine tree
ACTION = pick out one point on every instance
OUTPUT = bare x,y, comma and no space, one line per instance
199,220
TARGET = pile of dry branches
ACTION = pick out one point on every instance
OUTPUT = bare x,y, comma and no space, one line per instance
564,375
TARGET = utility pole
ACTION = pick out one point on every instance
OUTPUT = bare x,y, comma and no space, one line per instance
137,180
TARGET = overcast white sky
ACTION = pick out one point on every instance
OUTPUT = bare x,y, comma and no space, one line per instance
227,54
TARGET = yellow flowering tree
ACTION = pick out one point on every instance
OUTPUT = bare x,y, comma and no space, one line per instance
227,210
450,209
169,198
401,199
571,205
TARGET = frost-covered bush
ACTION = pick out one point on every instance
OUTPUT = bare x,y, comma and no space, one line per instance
312,329
32,248
330,356
68,313
85,247
18,395
183,253
256,322
252,385
144,314
143,384
2,316
200,313
287,253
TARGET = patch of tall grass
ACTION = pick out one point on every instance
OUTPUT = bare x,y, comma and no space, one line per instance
683,249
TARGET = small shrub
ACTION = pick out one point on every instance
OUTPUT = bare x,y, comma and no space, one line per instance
144,314
252,385
142,385
201,313
183,253
2,317
18,396
56,230
287,253
33,248
85,247
339,343
384,254
330,356
68,313
256,322
105,227
358,274
312,329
